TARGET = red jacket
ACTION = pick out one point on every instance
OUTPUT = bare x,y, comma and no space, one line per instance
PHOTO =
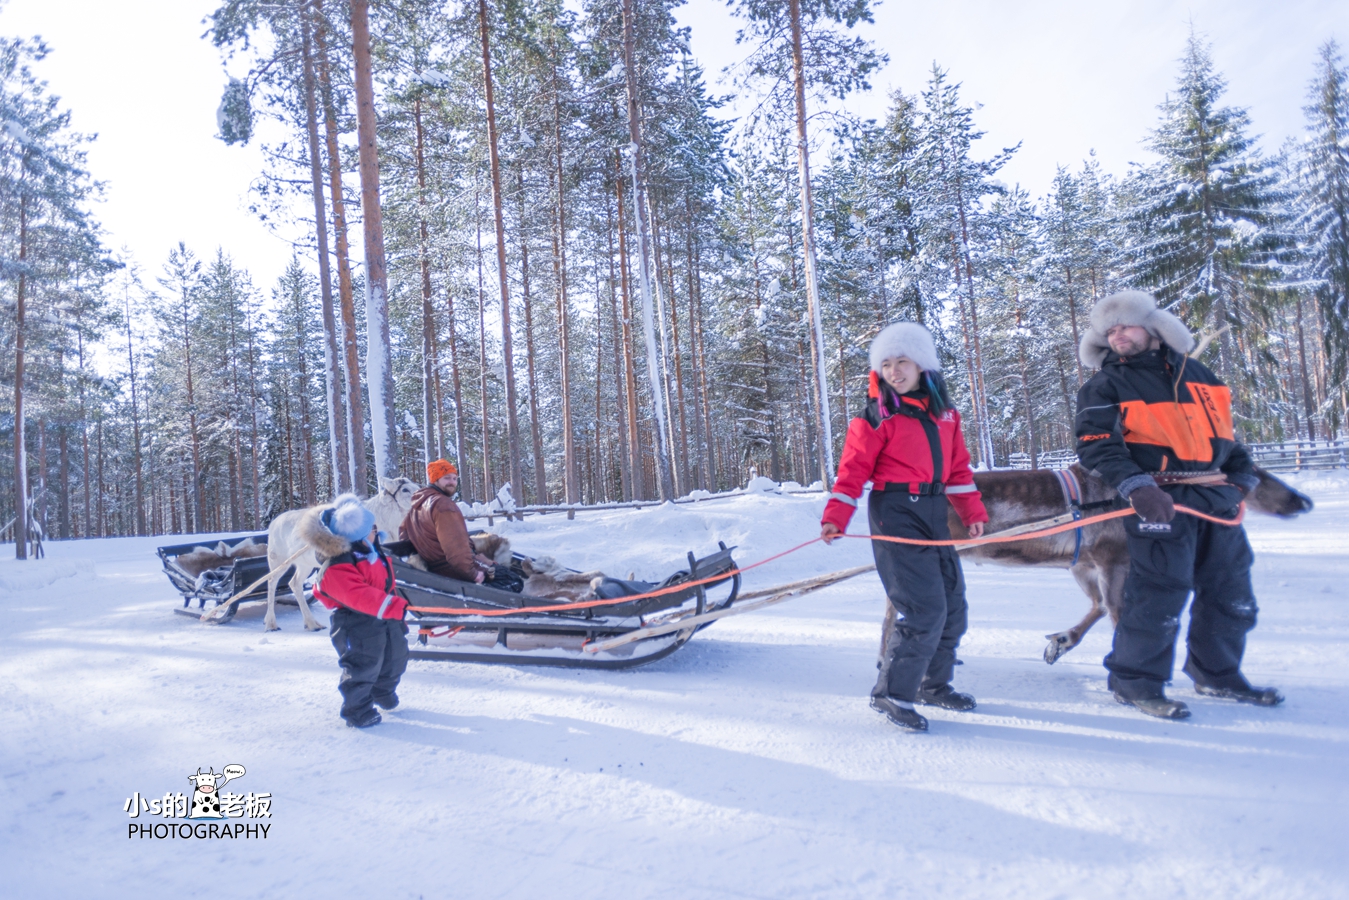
363,584
885,445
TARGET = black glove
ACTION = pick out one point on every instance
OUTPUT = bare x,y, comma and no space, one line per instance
1152,504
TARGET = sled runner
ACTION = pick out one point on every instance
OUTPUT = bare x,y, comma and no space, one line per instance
210,578
459,630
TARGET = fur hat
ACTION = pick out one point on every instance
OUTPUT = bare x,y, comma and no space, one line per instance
439,468
1131,308
349,518
907,339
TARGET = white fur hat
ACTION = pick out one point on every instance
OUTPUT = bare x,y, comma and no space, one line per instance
1131,308
908,339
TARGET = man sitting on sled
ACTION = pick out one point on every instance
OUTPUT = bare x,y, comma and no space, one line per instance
436,527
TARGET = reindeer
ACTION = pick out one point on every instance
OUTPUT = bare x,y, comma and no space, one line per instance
285,536
1100,563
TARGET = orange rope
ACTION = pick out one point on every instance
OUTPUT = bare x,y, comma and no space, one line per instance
950,542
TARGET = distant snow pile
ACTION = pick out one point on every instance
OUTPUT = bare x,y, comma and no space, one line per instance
31,574
760,484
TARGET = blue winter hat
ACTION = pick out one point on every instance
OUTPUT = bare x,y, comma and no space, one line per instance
349,519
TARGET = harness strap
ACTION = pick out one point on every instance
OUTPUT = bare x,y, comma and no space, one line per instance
1072,495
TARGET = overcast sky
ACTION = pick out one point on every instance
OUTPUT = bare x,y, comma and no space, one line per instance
1063,78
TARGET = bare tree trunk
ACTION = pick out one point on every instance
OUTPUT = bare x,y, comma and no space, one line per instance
665,355
306,451
563,316
620,396
821,385
535,426
569,487
1072,318
102,521
86,531
1306,381
337,443
629,369
664,475
378,352
253,415
198,508
351,365
20,452
430,448
482,362
456,383
699,439
135,428
713,466
512,420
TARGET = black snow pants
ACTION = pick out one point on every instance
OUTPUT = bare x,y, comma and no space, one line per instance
1165,565
373,654
925,585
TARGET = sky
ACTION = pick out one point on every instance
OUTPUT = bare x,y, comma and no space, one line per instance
1062,78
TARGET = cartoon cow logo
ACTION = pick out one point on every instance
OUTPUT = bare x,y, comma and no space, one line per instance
206,790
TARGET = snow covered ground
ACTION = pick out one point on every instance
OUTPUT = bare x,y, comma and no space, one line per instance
746,765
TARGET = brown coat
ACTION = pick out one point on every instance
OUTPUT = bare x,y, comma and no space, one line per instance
436,528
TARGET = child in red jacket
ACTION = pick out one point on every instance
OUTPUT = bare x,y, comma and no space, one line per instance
367,614
908,444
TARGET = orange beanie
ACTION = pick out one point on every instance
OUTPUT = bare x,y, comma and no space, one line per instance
439,469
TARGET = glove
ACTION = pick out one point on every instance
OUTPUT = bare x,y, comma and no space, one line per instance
1152,504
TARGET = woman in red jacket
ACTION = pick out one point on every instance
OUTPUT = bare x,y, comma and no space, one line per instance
908,444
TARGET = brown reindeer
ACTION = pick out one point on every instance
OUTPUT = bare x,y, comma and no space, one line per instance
1016,498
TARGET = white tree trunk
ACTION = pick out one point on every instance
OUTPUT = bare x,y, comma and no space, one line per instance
821,384
664,478
378,354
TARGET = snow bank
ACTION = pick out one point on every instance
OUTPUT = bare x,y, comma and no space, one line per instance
34,574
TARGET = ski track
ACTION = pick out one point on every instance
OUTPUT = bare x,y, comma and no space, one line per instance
746,765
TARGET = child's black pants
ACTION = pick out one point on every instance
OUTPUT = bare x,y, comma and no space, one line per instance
373,654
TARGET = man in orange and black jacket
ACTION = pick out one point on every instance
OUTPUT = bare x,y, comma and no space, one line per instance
1157,426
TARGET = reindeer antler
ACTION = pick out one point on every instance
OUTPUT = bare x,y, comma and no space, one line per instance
1205,339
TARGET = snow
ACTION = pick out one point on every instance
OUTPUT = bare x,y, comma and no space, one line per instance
746,764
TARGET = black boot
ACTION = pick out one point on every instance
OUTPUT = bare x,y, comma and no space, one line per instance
899,712
389,702
1235,688
366,719
1160,707
1147,697
946,697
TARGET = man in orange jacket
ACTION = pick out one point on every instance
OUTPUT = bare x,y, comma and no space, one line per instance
1157,426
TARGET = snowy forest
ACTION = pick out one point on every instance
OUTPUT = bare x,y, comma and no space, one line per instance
538,246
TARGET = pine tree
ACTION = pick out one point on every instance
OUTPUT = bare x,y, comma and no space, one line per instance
1200,220
1324,210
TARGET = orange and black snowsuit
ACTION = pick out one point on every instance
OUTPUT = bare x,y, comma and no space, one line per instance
1160,413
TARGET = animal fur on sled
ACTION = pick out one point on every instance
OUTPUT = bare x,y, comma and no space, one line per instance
203,559
493,546
547,580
